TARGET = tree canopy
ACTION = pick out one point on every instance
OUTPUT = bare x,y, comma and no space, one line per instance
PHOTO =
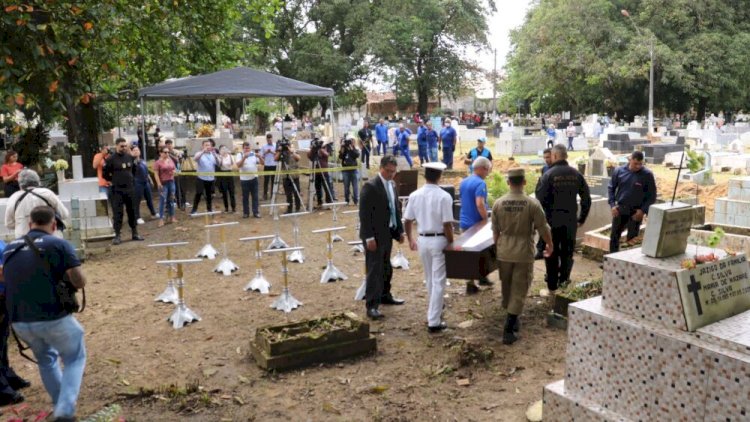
586,56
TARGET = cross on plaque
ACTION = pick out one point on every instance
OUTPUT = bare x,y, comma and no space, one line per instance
693,288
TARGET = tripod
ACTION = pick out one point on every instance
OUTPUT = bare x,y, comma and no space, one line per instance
315,165
281,166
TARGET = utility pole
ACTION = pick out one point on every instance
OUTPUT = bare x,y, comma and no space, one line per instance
494,87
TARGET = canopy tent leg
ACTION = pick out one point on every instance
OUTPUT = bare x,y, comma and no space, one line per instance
143,130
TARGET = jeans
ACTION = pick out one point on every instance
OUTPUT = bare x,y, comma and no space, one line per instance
104,190
249,187
351,177
382,146
570,143
167,197
366,155
50,340
143,190
433,151
423,157
448,157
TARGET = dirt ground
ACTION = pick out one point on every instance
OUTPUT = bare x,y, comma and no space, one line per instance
204,372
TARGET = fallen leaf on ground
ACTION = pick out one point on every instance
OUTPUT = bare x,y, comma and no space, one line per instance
328,407
377,389
463,382
238,400
125,382
466,324
242,379
534,412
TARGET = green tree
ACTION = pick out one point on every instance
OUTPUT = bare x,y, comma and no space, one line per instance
58,57
585,56
422,43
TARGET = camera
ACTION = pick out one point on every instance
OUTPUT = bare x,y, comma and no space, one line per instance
316,143
282,145
347,142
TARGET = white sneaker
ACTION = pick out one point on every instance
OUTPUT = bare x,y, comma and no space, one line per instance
140,221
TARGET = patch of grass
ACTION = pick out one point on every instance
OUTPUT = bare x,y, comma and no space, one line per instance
584,290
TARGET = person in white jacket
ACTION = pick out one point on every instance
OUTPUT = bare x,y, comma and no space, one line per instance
21,203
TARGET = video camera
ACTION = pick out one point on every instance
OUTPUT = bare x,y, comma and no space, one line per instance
347,141
316,144
283,145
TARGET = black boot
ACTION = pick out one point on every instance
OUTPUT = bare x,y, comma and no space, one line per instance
116,241
509,334
136,236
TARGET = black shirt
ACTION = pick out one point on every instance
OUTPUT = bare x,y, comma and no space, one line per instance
348,156
557,191
29,288
121,168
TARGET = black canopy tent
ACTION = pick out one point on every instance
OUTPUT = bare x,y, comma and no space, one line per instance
239,82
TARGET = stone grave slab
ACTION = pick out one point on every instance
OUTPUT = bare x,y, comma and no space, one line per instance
597,163
668,229
655,153
714,291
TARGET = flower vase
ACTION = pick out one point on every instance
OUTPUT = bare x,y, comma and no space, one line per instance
60,176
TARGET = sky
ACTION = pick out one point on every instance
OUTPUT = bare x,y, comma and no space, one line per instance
510,15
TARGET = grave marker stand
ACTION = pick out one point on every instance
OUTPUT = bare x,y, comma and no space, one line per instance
400,260
331,273
298,255
169,295
286,302
360,295
259,282
334,206
277,242
182,315
358,247
207,251
226,266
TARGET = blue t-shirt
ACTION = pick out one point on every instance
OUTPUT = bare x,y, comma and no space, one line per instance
30,292
448,136
381,132
471,188
141,172
403,138
421,139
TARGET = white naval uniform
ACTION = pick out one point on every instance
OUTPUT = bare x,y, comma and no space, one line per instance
430,206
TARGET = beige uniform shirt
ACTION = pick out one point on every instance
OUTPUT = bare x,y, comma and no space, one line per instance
515,219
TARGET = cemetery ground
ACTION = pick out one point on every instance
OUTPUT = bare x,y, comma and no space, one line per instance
204,371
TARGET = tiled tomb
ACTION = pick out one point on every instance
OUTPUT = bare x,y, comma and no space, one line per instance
631,358
734,209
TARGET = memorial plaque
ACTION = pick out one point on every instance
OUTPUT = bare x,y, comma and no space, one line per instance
668,229
714,291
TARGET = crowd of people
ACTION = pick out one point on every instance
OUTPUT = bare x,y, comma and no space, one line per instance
43,318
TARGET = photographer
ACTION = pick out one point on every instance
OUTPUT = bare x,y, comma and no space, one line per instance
40,315
365,144
318,155
348,155
288,159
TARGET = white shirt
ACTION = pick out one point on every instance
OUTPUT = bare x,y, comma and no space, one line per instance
19,221
250,164
431,207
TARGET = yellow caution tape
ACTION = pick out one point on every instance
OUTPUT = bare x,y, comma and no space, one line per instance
264,173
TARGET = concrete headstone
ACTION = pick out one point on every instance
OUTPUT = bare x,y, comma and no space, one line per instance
668,229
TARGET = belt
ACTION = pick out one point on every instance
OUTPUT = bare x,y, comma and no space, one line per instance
431,234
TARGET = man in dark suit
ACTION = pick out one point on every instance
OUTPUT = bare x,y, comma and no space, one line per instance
380,223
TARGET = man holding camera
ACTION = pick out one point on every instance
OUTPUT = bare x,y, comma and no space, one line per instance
42,316
348,156
318,155
288,159
206,161
248,161
365,143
